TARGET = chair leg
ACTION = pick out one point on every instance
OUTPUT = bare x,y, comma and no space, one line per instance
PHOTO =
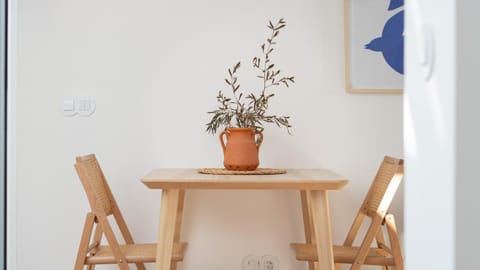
367,241
140,266
86,234
394,242
122,225
380,244
112,241
97,238
380,239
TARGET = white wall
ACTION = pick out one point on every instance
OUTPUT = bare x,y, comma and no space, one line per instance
154,68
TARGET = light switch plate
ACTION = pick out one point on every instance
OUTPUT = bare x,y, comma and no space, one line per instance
68,107
85,106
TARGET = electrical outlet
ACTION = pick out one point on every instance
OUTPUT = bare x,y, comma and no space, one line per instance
269,262
251,262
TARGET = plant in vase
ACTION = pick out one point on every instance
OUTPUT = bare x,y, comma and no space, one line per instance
243,116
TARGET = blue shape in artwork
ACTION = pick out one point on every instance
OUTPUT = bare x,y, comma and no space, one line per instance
391,42
395,4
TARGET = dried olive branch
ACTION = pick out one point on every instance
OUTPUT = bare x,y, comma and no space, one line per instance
253,113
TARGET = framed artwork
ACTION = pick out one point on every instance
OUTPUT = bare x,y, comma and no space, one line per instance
374,34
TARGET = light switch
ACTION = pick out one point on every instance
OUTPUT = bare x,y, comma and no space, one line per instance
68,107
85,107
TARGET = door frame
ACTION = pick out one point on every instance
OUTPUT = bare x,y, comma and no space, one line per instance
10,156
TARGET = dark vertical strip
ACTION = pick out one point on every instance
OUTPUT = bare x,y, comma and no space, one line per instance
4,37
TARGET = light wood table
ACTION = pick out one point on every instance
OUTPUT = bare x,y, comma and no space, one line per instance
313,185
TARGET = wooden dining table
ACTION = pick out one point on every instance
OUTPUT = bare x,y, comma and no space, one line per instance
312,184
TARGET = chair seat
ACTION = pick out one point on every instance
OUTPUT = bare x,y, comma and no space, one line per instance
133,253
342,254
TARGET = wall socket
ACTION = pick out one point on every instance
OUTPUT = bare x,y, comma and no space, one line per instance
269,262
251,262
260,262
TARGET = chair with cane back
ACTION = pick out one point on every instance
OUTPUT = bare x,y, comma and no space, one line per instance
376,208
91,252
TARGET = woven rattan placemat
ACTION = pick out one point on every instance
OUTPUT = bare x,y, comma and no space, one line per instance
258,171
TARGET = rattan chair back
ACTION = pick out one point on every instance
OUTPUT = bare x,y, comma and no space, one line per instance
94,183
383,188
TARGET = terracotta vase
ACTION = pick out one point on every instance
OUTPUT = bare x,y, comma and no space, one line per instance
241,149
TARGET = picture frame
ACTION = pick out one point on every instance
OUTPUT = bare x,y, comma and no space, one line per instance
374,46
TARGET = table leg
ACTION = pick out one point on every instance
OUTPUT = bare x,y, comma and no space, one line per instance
322,229
178,223
166,229
305,196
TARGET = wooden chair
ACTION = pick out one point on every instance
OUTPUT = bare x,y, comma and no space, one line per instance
103,205
375,207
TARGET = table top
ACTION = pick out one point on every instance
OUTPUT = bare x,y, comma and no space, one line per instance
294,179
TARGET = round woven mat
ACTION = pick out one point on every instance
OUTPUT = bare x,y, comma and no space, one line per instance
258,171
